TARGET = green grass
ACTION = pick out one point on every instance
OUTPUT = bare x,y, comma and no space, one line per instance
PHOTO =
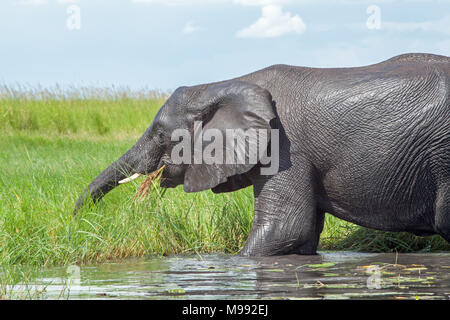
63,117
42,178
51,149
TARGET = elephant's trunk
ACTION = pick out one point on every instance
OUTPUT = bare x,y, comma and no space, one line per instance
142,158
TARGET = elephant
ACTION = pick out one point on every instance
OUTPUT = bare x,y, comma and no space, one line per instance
368,144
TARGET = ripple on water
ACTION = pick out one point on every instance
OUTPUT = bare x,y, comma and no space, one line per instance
329,275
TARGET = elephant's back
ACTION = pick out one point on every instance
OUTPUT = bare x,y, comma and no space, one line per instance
419,57
384,106
382,129
402,85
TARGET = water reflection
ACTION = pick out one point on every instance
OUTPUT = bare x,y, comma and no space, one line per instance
337,275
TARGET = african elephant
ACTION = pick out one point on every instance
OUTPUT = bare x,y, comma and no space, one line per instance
370,145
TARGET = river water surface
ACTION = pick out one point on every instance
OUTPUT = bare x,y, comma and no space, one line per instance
336,275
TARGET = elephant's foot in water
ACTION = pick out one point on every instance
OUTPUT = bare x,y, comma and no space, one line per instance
286,218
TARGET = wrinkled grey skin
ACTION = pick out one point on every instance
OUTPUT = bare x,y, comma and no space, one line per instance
370,145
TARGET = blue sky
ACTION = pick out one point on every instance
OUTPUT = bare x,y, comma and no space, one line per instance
165,44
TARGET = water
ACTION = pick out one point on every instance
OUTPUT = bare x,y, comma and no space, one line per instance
337,275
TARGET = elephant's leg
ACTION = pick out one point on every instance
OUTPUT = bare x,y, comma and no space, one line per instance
442,220
286,217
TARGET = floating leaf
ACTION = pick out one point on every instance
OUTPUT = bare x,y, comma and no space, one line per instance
274,270
321,265
415,269
179,291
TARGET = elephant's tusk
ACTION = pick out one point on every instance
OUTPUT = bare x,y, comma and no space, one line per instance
133,177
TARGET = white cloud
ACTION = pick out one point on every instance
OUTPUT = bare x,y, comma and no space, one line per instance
190,27
273,23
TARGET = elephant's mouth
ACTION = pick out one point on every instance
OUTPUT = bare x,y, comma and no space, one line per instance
169,182
151,176
165,181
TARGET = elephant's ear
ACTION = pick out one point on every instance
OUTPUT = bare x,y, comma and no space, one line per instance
229,116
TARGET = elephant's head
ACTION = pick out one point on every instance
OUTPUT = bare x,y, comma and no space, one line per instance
226,105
